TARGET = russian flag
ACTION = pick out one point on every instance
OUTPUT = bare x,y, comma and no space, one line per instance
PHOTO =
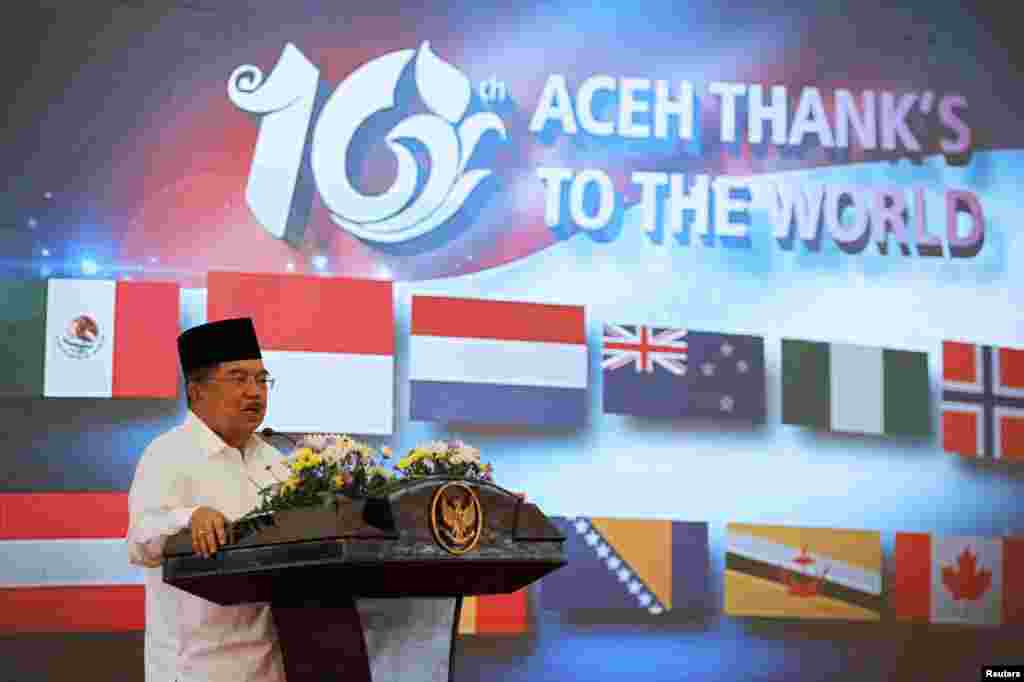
497,362
327,341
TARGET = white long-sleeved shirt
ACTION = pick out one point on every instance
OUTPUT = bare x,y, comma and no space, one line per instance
190,639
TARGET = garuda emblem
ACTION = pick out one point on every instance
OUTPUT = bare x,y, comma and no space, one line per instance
456,517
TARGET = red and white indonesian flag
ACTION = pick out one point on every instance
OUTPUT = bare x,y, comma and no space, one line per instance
328,341
79,338
970,580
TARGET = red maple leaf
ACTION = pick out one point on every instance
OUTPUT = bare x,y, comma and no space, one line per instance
966,581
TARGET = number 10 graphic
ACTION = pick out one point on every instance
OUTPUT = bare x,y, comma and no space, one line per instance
279,192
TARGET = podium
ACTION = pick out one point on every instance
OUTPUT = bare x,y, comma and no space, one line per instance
433,537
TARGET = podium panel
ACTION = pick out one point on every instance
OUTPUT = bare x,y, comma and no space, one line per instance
434,537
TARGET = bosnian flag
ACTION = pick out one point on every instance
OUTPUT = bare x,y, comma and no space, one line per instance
65,567
327,341
968,580
497,362
82,338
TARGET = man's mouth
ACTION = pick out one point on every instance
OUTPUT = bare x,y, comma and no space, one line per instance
253,409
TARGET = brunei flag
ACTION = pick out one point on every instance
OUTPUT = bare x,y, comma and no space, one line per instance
783,572
630,564
85,338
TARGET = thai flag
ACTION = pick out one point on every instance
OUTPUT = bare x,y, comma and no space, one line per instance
497,362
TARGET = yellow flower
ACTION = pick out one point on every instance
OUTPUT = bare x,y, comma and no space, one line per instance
291,484
339,481
306,459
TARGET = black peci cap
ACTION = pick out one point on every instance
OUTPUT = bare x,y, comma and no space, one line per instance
216,342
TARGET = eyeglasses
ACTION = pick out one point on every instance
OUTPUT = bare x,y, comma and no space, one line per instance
240,381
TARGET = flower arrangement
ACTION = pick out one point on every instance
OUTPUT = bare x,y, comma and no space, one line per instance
321,467
444,458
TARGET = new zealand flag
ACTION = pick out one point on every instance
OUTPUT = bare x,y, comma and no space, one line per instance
666,372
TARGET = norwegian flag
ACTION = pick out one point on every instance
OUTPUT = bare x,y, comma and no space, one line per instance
644,347
983,401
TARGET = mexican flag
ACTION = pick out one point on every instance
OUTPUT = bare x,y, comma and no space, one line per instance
857,389
969,580
88,339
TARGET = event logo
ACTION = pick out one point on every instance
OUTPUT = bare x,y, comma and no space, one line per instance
412,206
81,338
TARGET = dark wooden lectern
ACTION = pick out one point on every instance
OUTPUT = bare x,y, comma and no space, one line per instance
434,537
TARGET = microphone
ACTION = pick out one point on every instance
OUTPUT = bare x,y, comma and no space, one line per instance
268,432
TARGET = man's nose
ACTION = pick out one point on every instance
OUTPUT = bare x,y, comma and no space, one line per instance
253,389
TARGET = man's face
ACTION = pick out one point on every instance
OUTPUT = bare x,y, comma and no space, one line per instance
234,399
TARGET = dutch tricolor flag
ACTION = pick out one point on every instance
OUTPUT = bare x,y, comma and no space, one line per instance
497,362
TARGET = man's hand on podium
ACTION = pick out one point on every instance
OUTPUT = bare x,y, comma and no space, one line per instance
210,531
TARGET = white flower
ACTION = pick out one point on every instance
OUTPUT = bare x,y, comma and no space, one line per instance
332,453
315,441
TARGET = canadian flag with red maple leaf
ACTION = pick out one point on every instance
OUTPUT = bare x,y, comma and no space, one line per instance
969,580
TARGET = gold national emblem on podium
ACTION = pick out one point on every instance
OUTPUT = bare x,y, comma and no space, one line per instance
456,517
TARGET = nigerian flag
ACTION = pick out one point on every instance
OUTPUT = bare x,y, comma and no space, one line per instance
858,389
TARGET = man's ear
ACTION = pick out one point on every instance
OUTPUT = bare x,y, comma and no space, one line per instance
194,390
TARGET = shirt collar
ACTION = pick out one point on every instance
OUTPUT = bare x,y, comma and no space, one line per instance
209,442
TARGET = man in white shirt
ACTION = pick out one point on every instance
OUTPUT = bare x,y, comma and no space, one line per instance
208,472
202,475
